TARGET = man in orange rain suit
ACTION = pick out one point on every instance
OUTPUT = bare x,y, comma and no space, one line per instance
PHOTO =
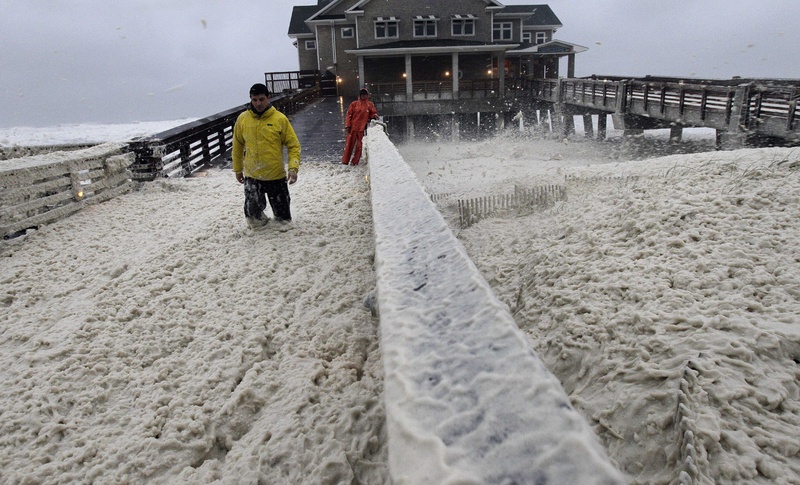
358,115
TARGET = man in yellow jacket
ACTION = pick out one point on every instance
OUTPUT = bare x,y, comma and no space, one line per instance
259,135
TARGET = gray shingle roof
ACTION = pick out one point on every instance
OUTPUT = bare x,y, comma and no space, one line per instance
541,14
297,25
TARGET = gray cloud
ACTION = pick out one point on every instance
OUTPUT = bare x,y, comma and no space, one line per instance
682,38
77,61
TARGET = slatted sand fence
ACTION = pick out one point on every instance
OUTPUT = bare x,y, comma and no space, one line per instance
472,210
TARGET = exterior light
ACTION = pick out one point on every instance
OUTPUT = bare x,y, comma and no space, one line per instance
338,79
447,74
404,75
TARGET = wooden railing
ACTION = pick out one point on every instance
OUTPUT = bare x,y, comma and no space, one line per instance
433,90
188,148
41,189
750,106
291,81
466,399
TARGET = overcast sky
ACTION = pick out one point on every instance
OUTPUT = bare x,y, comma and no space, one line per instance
77,61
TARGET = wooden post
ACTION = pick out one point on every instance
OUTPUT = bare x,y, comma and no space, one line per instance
734,137
602,124
675,134
588,126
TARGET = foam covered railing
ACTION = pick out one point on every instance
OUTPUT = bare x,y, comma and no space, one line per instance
467,399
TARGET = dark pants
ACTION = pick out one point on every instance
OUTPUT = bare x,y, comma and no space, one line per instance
256,193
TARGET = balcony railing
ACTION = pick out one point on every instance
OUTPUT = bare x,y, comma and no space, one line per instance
434,90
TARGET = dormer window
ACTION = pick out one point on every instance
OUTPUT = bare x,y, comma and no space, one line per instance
502,31
386,27
463,25
425,26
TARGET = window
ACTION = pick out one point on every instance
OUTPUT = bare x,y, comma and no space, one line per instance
348,33
425,26
386,28
541,37
311,45
502,31
463,24
526,37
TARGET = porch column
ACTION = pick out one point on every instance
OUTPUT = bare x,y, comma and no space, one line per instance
454,73
361,81
409,84
571,66
501,71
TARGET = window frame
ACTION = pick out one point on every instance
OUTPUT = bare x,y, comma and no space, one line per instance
463,22
540,36
503,27
387,25
425,23
310,45
352,31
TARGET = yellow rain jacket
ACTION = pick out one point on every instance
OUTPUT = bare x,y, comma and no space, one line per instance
258,143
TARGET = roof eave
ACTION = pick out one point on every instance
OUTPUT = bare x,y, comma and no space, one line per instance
433,50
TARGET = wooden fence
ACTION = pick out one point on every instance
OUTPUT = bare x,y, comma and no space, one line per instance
42,189
471,211
291,81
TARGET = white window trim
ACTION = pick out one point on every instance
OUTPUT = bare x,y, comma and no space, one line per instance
386,22
463,20
503,27
352,31
425,21
311,45
541,38
527,37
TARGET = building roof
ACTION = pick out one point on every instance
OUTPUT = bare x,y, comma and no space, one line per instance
554,47
297,26
533,15
539,15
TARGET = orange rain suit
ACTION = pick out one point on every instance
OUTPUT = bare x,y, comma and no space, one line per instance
358,115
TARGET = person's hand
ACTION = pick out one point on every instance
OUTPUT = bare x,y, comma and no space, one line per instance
291,177
240,177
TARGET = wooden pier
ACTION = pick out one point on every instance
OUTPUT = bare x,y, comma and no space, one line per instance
741,110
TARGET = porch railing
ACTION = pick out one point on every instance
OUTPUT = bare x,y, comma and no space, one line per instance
433,90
